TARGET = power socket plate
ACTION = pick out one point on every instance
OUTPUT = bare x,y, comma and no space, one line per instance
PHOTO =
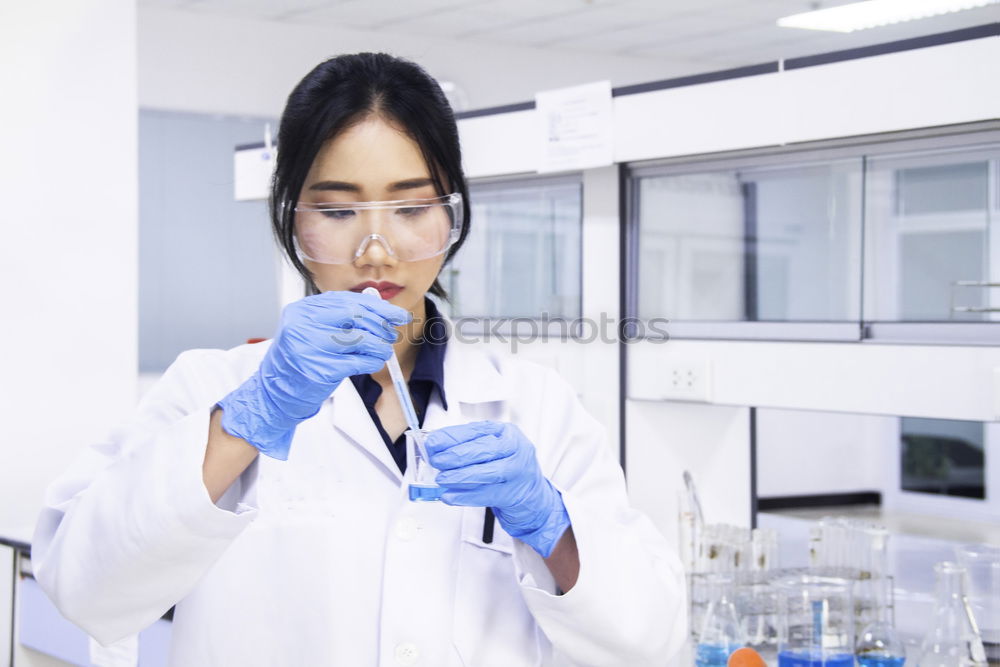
687,381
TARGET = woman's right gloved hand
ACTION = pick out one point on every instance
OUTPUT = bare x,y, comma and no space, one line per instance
321,340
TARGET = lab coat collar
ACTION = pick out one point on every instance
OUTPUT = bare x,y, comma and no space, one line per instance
350,416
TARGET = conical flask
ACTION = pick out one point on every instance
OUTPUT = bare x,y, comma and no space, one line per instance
982,563
721,632
879,645
953,639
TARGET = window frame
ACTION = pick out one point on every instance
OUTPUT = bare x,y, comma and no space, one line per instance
974,136
975,509
556,328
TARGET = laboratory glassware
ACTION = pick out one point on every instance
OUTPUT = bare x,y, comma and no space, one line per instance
763,549
953,639
982,562
757,606
878,644
851,548
692,523
815,622
756,600
422,484
720,633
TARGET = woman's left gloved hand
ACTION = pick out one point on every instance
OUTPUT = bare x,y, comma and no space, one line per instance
492,464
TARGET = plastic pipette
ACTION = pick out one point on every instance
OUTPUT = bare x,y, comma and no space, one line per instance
398,382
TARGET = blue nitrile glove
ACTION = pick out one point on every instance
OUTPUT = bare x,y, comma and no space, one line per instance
321,340
492,464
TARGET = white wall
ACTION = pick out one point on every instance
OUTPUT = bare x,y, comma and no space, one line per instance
802,452
202,62
68,182
710,441
940,85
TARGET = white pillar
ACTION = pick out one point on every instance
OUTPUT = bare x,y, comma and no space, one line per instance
68,254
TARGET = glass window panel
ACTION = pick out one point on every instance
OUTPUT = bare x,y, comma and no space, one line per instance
928,223
930,263
780,244
940,188
943,456
691,247
522,255
208,265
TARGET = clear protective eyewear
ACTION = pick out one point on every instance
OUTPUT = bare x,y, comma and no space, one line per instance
408,229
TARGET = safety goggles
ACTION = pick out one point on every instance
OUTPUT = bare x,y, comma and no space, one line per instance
408,229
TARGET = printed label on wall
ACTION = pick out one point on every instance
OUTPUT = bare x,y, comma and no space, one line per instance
574,127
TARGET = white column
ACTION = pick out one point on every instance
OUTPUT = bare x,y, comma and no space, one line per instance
68,275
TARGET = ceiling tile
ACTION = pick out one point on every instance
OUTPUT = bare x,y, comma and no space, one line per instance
371,14
554,28
256,9
707,34
165,4
453,23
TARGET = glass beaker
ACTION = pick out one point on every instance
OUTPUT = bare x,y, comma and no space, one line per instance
815,622
879,645
953,639
758,609
421,474
982,562
720,633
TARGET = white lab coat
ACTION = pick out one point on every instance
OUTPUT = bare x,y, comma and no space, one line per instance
321,560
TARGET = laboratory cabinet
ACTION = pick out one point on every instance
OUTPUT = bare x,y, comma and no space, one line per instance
882,238
35,634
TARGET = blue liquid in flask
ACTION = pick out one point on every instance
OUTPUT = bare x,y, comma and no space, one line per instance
713,655
418,492
814,659
881,660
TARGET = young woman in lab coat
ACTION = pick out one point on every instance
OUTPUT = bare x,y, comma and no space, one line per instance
260,490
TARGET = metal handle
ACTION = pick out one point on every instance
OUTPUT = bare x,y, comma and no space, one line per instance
971,309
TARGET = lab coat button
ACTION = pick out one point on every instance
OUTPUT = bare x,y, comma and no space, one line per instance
407,654
406,528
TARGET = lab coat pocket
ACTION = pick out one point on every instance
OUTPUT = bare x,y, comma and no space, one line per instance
492,624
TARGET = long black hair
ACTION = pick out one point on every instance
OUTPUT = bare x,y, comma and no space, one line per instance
342,91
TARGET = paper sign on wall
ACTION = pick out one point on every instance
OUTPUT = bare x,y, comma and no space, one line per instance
574,127
252,168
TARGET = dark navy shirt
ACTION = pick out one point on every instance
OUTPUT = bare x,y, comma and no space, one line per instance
427,378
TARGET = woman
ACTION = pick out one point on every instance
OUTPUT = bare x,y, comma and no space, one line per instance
263,495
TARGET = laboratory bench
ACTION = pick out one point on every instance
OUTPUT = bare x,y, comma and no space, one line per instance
916,543
34,634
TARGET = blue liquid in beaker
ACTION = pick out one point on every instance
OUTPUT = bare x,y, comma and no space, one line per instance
425,492
881,660
713,655
814,659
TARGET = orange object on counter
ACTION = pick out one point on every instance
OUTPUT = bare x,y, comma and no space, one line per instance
746,657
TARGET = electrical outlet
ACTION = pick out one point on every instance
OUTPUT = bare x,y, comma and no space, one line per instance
687,382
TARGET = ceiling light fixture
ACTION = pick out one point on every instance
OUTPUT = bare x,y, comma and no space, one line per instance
875,13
